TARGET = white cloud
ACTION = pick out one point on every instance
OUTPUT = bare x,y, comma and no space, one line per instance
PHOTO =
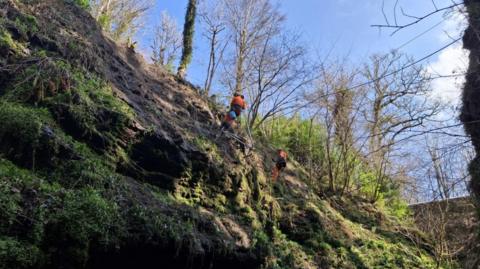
452,62
453,26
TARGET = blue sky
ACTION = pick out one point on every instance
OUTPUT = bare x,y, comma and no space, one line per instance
343,28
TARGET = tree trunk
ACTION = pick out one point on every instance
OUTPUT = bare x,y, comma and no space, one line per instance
188,32
211,64
239,72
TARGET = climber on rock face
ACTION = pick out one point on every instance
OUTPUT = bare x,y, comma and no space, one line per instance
228,121
280,163
238,104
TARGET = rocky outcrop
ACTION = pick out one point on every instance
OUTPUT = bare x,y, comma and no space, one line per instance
470,114
109,162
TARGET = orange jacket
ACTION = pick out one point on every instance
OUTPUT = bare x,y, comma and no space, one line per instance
237,100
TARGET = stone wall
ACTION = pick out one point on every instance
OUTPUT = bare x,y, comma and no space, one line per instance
453,224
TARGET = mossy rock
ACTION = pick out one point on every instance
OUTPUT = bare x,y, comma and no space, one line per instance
28,138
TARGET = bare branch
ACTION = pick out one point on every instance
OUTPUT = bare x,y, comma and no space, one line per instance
416,19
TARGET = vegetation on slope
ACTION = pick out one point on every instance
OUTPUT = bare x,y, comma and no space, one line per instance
101,164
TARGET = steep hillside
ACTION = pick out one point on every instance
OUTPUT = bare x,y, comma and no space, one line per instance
107,162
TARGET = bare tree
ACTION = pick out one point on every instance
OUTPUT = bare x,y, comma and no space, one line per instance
439,172
167,41
249,22
120,18
451,224
279,70
213,17
398,104
339,108
446,171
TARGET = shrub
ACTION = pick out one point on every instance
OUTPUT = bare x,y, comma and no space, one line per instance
85,4
14,254
21,122
86,217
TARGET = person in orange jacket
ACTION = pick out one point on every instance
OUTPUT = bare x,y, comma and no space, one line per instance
238,104
280,163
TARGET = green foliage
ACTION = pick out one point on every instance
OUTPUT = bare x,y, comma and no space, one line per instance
303,139
22,123
7,42
26,24
22,129
376,253
85,4
73,218
84,104
394,205
10,197
15,254
284,253
85,216
188,32
95,91
105,21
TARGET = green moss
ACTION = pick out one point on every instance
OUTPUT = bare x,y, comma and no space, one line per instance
7,42
209,147
10,199
381,254
198,194
83,104
287,254
98,93
40,53
6,39
86,214
22,122
148,223
95,114
220,203
26,24
72,218
23,132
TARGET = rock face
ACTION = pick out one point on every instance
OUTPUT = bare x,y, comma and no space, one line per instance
108,162
470,115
